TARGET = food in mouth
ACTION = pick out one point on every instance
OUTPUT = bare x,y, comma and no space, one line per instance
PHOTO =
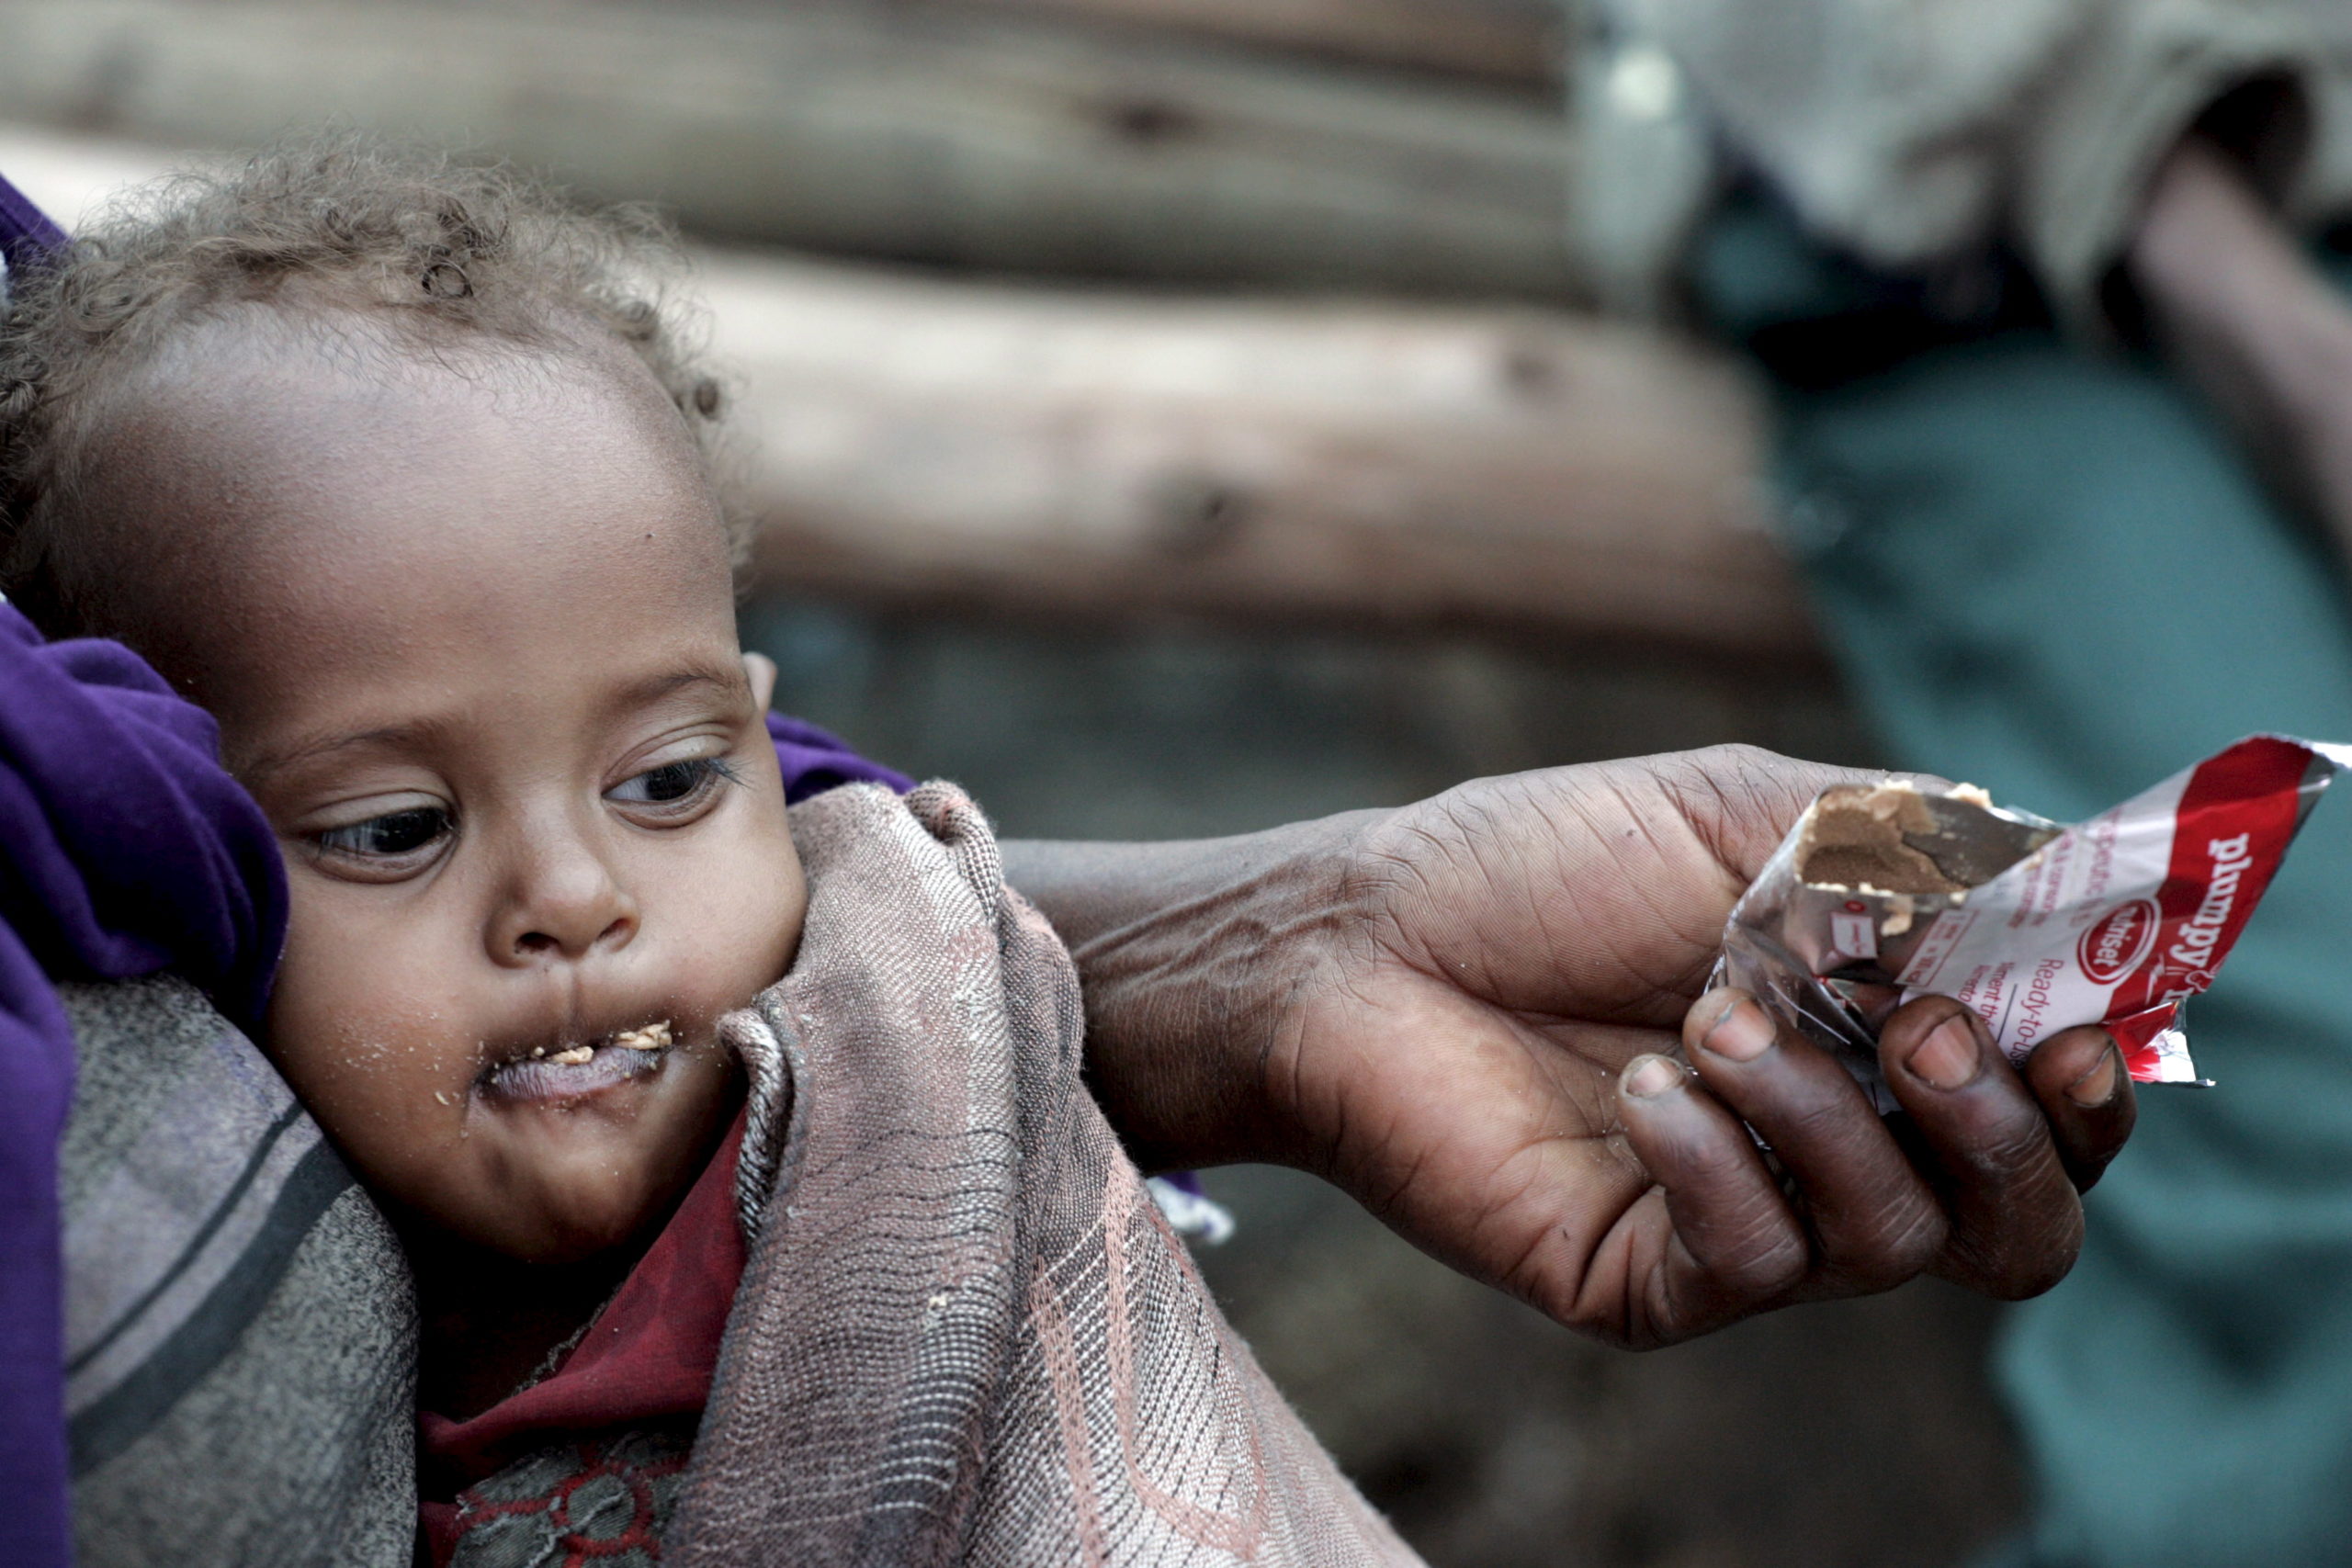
573,1070
647,1037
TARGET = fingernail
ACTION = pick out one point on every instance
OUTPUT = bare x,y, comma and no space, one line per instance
1650,1077
1741,1033
1947,1058
2096,1088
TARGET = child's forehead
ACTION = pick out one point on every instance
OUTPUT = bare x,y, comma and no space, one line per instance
336,384
247,473
257,414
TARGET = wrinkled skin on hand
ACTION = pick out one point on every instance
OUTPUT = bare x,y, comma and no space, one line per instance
1447,1009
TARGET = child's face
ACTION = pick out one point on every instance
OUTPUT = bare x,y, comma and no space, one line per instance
471,638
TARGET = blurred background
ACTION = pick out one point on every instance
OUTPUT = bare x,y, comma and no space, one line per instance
1177,417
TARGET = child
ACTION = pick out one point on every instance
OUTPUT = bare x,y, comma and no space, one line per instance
392,468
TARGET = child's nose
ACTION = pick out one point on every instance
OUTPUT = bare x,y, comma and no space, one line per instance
567,904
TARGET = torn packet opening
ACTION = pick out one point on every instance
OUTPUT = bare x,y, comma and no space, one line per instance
1882,892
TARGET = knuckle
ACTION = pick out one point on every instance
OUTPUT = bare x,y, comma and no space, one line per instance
2005,1148
1901,1246
1824,1119
1772,1270
1761,1256
2024,1284
2043,1267
2017,1265
1687,1153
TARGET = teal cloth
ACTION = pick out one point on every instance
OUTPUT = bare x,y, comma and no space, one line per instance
2051,573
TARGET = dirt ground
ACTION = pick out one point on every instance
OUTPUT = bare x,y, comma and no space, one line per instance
1849,1435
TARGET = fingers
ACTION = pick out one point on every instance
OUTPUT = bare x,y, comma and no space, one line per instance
2080,1080
1875,1220
2015,1221
1734,1245
1982,1188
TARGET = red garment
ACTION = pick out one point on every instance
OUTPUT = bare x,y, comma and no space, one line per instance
649,1356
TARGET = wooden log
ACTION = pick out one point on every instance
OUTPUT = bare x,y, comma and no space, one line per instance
908,438
1110,455
1514,41
929,133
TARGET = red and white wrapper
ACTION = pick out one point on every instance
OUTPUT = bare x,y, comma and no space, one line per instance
2115,921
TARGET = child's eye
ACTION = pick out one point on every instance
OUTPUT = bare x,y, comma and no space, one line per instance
672,784
388,837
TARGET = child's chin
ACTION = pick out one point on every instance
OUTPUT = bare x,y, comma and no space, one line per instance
570,1210
552,1186
577,1233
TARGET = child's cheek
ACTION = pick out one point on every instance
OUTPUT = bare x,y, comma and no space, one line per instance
383,1065
736,916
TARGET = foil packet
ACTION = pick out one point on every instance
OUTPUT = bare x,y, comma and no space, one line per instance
1882,892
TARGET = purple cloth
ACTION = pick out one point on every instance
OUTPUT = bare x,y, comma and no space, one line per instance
25,231
125,849
814,760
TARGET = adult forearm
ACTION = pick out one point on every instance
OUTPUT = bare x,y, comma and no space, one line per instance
1191,953
2234,301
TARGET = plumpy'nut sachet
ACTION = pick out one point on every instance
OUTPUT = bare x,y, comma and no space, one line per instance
1882,892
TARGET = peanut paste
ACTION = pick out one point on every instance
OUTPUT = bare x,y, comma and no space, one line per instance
1861,836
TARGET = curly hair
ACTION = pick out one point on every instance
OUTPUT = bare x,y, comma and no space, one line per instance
427,248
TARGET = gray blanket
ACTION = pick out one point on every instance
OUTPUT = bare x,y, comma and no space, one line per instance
240,1334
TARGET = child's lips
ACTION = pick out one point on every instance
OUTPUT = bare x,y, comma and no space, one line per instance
577,1070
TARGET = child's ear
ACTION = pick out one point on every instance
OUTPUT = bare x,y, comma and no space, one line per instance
762,670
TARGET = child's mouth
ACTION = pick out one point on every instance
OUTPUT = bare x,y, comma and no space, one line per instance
573,1070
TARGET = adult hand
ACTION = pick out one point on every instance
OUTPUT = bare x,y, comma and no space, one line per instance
1461,1012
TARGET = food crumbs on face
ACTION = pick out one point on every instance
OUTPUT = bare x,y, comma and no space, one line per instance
653,1037
538,1051
574,1056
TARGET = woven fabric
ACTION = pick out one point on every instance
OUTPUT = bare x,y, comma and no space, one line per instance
965,1334
240,1333
607,1502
